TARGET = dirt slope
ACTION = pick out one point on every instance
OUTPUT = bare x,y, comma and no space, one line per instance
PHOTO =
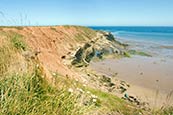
52,43
55,47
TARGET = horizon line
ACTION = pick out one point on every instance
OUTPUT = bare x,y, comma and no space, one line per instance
87,25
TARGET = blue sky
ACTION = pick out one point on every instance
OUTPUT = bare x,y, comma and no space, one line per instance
87,12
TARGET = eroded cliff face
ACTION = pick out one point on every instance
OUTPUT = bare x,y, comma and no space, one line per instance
56,48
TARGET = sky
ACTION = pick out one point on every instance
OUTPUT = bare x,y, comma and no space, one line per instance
87,12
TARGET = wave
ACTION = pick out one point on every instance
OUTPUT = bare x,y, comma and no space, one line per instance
136,29
143,33
156,40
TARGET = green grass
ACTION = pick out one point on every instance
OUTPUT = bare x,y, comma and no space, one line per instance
30,94
163,111
18,42
84,33
109,103
105,102
134,52
126,54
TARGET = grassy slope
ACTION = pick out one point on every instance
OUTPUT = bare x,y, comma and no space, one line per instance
28,93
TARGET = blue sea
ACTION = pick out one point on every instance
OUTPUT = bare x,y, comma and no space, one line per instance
155,40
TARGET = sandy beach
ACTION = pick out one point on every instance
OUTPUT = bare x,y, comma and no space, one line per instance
151,78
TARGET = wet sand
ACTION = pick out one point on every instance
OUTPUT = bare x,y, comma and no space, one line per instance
151,78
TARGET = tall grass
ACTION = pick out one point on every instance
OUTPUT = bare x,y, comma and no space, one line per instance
13,43
4,59
167,108
30,94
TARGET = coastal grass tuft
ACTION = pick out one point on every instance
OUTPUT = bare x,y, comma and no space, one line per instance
30,94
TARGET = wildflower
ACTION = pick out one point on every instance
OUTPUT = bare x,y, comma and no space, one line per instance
94,96
88,92
70,90
94,100
54,74
37,65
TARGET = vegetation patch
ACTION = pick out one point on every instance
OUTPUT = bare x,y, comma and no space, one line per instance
5,59
86,32
18,42
134,52
19,27
110,103
54,29
79,37
126,54
30,94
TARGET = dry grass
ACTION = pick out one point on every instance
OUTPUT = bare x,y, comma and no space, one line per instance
6,54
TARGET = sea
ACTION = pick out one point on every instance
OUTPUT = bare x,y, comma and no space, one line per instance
158,41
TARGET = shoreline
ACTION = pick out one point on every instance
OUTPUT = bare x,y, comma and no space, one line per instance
149,77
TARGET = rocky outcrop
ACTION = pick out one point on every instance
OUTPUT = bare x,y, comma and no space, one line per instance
84,55
103,44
